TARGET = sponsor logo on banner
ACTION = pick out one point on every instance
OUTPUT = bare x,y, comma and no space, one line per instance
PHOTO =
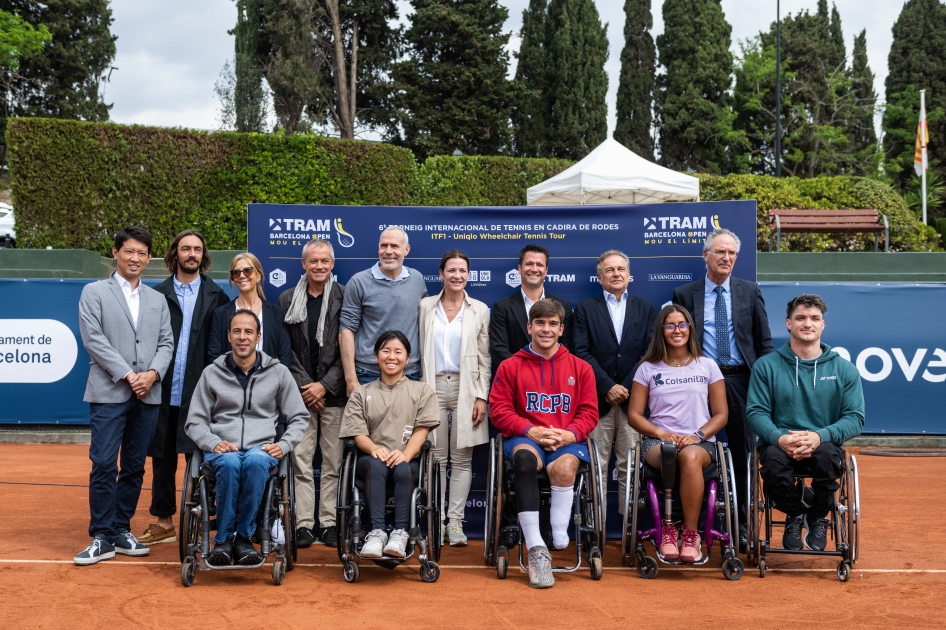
344,238
277,277
867,360
36,350
595,279
560,277
670,277
513,278
678,230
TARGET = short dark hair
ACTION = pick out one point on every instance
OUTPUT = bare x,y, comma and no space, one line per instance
170,259
806,300
133,232
532,247
454,253
387,336
547,308
244,311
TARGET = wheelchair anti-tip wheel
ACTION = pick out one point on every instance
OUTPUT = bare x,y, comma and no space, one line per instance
596,565
187,572
351,572
844,570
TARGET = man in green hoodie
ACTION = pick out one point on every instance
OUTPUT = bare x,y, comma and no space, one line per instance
804,402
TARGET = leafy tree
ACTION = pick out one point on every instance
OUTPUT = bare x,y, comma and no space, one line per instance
452,91
754,105
635,99
531,97
18,38
693,94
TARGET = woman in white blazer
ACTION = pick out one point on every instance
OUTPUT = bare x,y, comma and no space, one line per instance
454,341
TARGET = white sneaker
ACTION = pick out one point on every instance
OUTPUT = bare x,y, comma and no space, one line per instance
455,534
397,544
374,544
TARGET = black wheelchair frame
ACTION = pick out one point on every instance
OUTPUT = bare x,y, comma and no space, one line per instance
502,523
198,519
351,509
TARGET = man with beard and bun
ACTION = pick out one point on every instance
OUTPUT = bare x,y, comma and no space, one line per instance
192,298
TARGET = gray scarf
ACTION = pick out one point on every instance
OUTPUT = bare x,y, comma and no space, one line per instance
297,312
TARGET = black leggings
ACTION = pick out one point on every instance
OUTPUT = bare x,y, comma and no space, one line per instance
375,473
526,481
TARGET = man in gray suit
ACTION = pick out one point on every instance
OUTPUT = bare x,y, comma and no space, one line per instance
126,329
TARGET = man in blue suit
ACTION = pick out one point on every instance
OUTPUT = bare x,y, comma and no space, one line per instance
612,331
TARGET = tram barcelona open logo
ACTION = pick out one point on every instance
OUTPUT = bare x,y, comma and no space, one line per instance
297,232
680,230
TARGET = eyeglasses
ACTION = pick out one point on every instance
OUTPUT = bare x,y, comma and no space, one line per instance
246,271
681,326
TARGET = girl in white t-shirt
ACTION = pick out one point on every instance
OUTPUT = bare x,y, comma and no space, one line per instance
677,381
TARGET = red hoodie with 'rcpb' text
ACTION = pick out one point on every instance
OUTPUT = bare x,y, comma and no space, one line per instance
530,390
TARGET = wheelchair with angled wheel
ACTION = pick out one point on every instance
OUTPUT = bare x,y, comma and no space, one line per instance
655,492
502,531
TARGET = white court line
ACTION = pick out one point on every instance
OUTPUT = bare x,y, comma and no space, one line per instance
477,566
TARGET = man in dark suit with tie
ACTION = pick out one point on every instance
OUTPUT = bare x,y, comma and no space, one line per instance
192,298
612,332
730,320
507,325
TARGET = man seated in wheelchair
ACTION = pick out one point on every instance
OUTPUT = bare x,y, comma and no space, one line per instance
676,380
389,420
232,419
544,402
804,402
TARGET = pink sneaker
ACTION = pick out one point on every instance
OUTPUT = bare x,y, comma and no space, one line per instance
668,542
691,551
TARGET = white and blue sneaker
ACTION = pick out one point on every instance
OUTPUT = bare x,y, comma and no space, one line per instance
99,549
127,544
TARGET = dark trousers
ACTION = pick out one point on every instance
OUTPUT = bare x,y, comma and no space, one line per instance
740,436
376,473
121,432
778,474
164,472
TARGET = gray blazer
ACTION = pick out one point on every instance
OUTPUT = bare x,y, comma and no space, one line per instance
116,348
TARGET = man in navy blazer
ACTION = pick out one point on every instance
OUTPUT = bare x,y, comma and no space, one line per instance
612,332
733,328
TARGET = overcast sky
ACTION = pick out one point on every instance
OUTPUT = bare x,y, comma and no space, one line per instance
170,52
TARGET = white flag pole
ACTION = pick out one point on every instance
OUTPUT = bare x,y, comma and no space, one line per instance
923,148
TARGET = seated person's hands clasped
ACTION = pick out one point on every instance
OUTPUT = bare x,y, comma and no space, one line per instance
551,438
679,440
391,458
799,444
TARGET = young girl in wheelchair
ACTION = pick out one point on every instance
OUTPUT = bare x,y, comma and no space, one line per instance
677,382
389,420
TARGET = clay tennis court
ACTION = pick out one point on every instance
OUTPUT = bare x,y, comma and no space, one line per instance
900,580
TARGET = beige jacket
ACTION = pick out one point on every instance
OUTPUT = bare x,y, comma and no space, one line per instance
474,364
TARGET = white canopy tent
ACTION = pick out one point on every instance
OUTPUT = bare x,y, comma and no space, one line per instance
613,174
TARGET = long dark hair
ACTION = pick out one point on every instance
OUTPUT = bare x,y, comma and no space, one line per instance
170,259
658,345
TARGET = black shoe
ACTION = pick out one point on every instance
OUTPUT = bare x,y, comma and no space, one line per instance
743,542
304,538
791,537
222,555
817,537
329,536
245,553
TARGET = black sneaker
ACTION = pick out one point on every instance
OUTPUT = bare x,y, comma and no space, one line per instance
222,555
304,538
329,536
244,552
791,537
817,538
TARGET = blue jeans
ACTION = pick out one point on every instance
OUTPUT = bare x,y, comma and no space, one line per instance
241,479
367,376
125,428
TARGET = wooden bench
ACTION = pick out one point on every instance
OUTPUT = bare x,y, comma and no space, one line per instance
827,222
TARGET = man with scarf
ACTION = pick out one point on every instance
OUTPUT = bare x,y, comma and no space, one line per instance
312,316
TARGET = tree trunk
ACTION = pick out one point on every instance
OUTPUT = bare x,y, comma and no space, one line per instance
344,112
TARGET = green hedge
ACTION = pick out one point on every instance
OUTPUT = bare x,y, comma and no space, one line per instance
481,181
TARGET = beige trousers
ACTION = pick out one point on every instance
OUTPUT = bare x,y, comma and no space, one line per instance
329,424
613,429
461,459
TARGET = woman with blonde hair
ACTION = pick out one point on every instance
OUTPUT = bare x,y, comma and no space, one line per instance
246,273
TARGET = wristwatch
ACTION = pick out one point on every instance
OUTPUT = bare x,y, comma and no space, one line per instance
700,436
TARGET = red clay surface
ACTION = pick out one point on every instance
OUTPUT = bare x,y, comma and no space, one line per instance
900,580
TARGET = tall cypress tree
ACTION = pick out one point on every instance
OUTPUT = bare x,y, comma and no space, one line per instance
917,61
693,94
248,98
862,135
452,88
578,50
635,98
835,37
531,97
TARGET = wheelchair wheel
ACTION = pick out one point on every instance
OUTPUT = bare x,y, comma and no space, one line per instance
733,568
598,505
625,554
434,522
646,567
502,564
187,572
189,523
731,501
279,571
494,502
351,571
854,512
343,510
430,572
287,509
630,548
844,571
596,564
756,511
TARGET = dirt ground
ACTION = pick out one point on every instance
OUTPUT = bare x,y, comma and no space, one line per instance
900,580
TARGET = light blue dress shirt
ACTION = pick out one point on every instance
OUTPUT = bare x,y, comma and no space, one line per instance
377,274
709,322
187,297
618,311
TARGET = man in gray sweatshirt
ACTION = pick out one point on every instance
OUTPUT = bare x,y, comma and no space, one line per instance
232,419
385,297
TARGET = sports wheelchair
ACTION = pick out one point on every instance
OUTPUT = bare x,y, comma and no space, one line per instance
845,518
720,520
502,529
198,519
352,513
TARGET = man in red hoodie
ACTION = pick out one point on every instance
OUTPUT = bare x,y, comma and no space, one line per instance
543,400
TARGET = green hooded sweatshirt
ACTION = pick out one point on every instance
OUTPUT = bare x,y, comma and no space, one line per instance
823,395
